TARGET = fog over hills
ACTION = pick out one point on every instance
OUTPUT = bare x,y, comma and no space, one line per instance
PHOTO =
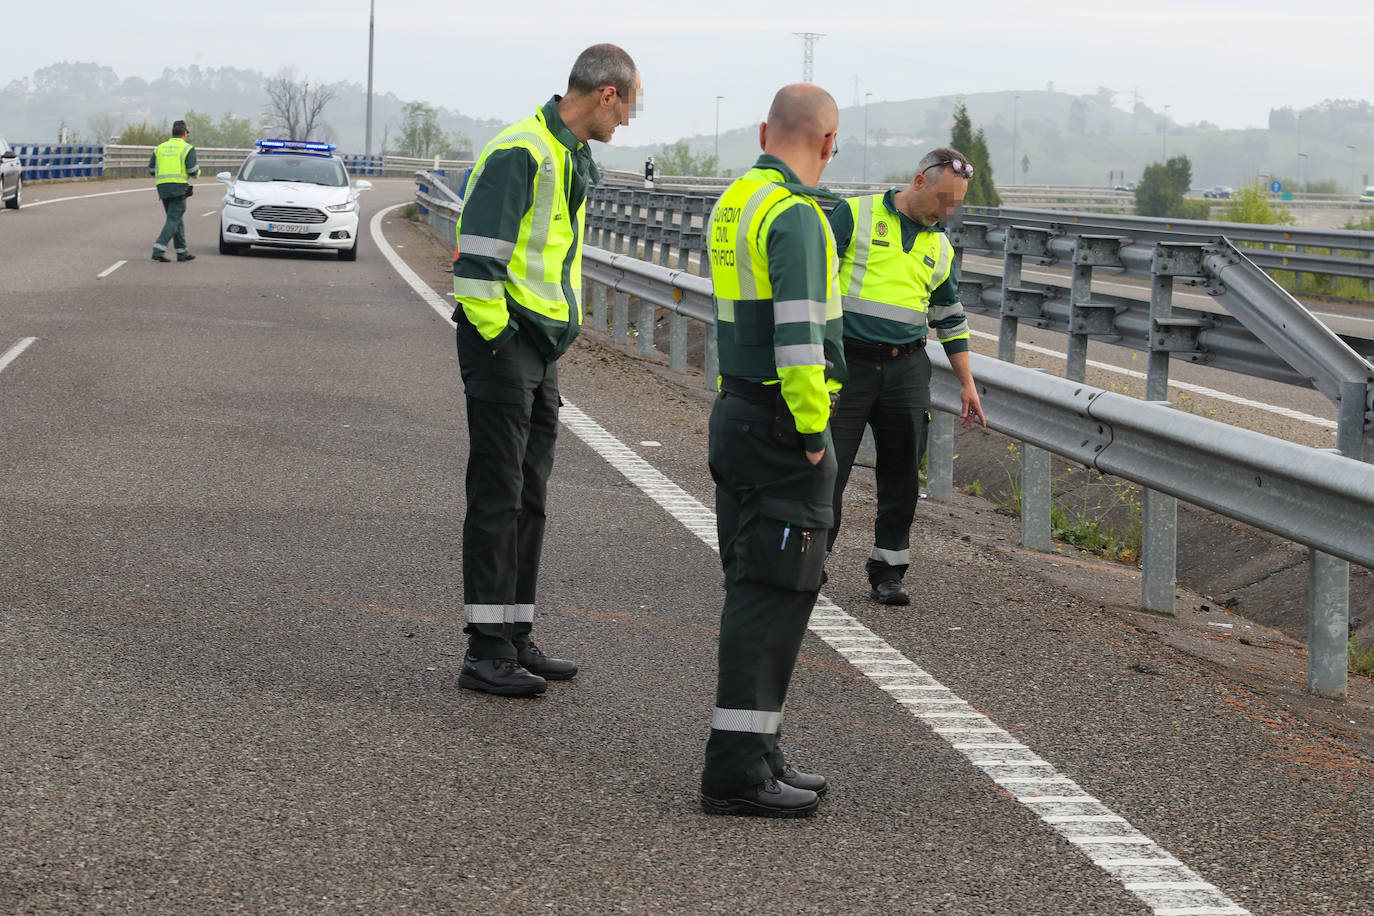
1050,137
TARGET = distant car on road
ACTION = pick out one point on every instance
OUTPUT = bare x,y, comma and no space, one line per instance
291,194
1128,186
1218,192
11,176
1368,195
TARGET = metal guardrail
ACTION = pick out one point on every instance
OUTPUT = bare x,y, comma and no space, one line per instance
1315,497
55,161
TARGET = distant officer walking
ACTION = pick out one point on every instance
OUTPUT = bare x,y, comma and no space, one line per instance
517,277
777,310
898,281
174,164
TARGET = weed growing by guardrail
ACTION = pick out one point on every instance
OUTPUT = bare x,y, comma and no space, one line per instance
1361,659
410,212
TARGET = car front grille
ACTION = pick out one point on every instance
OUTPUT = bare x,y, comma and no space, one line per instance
289,215
288,236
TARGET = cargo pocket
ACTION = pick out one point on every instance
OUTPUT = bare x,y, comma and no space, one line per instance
787,544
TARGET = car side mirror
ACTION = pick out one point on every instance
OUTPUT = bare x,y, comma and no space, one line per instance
362,185
9,154
224,177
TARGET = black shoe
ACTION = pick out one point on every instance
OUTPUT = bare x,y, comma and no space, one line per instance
501,676
186,257
890,591
767,799
799,780
533,659
159,257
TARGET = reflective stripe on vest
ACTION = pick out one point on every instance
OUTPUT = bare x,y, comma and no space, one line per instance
878,278
171,161
756,721
549,235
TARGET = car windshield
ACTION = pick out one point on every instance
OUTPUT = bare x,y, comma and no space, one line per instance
305,169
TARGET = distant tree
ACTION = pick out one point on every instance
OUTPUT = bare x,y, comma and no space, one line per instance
421,135
981,190
677,159
1105,97
1251,203
143,133
1283,120
1077,123
104,126
1162,186
229,133
295,107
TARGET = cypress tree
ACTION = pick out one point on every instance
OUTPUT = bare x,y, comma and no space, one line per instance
981,190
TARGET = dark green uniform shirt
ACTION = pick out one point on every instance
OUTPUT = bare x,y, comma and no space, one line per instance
942,297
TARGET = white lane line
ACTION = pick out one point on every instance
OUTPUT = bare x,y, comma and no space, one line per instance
1200,896
111,269
57,200
13,352
1183,386
209,213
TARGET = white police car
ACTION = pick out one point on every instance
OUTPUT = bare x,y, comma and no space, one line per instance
291,194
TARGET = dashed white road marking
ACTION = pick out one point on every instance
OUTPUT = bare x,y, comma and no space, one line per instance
13,352
1182,386
1162,882
111,269
209,213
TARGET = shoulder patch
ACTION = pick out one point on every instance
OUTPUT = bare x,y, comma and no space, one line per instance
930,262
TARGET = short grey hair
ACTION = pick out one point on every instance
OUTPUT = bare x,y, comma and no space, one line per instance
942,156
602,65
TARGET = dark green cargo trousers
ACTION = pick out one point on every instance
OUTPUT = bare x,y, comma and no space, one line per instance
772,515
512,412
891,396
173,227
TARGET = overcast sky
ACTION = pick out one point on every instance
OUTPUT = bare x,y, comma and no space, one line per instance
1225,61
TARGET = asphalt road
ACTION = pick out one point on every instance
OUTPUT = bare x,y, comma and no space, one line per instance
230,628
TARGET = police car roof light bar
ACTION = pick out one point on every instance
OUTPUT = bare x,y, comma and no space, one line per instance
295,146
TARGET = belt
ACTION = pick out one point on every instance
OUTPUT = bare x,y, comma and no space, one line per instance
757,392
874,351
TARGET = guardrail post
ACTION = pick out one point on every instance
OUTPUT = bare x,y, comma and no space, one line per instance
1328,624
644,328
620,317
1011,278
712,360
594,305
1035,498
677,342
940,456
1080,294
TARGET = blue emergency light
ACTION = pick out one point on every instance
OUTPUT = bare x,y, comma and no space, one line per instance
296,146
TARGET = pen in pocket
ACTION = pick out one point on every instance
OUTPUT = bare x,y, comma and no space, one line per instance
785,532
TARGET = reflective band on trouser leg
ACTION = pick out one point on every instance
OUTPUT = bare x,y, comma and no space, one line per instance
521,613
486,247
891,557
757,721
487,613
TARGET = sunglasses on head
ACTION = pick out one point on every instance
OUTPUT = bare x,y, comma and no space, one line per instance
958,166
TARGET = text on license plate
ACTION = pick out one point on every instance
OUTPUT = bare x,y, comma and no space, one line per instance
290,228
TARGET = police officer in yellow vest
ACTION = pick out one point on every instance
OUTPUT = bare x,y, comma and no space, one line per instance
174,164
777,310
898,282
517,278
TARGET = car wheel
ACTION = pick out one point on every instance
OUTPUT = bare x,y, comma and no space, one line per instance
228,247
13,202
349,254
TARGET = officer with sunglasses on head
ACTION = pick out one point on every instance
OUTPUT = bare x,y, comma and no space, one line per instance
898,283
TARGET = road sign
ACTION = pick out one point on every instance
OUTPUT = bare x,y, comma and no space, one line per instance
1276,187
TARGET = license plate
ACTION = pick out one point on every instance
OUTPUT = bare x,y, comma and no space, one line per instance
289,228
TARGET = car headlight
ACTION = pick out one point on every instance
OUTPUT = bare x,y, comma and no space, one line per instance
346,207
239,201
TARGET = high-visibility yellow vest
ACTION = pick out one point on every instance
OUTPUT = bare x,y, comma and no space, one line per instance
171,161
547,251
880,280
757,338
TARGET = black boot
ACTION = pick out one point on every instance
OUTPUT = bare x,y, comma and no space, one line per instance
799,780
890,591
767,799
533,659
501,676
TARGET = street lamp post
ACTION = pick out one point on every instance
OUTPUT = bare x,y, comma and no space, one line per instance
1164,149
869,95
1354,188
371,28
1302,187
718,98
1015,102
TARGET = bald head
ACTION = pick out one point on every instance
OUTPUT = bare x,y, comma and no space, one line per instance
802,112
